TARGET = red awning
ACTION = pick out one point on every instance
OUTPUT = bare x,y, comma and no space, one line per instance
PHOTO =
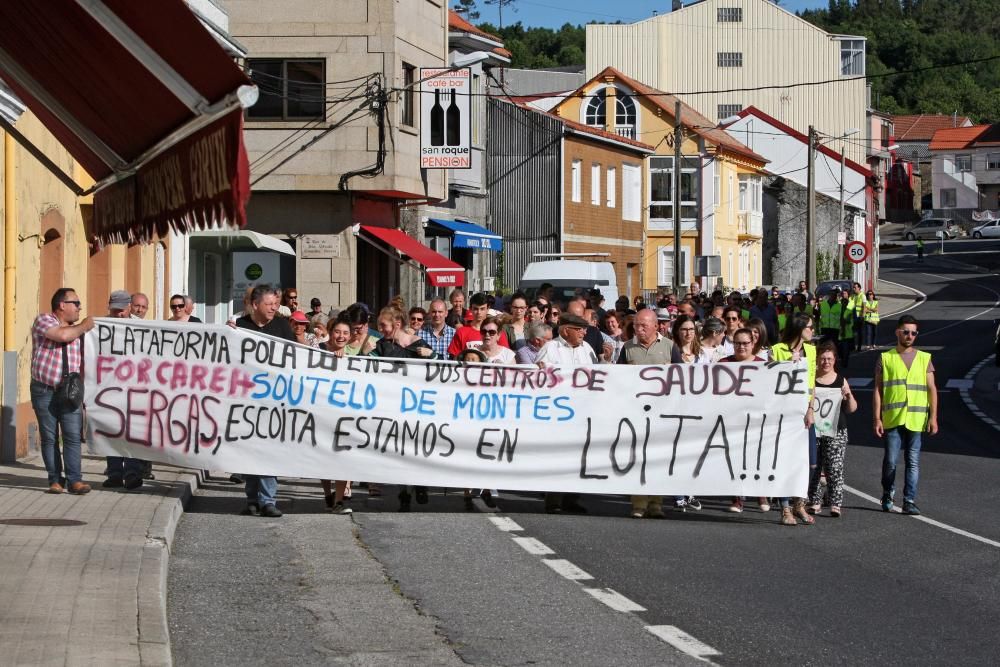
441,271
139,93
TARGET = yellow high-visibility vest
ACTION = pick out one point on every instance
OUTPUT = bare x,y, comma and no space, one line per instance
871,312
781,352
829,317
905,399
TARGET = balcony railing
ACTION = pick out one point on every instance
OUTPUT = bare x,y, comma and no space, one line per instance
751,223
627,131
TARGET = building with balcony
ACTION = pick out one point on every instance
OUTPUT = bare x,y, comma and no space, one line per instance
742,48
720,179
966,170
913,134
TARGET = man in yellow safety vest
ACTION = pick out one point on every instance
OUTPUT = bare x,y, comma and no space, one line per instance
905,406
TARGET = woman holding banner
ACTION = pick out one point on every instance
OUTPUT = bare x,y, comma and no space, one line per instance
340,334
796,344
833,399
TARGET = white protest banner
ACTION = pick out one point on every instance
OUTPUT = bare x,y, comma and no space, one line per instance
826,410
211,397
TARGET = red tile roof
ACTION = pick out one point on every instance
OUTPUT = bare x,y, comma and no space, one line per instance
690,117
456,22
921,127
951,138
604,134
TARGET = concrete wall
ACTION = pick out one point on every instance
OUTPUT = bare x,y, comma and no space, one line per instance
356,38
784,244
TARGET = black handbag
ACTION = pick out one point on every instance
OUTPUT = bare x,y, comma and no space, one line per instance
70,390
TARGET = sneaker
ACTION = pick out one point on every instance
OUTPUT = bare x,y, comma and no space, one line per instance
252,509
113,483
680,504
693,503
340,508
764,505
270,511
886,503
736,505
910,507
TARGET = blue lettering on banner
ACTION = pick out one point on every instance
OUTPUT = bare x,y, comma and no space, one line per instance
294,388
422,403
511,406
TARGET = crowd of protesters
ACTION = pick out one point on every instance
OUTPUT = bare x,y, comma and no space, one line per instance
693,328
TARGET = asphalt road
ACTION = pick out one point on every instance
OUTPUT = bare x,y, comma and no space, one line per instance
737,589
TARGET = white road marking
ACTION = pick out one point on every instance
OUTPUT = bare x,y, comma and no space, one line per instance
533,546
970,377
613,599
505,524
937,524
566,569
920,301
682,641
956,383
971,317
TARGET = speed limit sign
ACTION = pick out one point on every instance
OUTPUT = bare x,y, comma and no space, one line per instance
856,251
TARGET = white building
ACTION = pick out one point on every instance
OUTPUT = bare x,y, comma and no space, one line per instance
966,167
753,48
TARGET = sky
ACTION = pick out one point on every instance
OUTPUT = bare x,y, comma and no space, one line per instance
554,13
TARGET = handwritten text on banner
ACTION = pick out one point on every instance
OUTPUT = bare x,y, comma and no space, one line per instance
210,397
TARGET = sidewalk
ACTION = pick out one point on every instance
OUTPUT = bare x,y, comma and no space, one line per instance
83,578
894,298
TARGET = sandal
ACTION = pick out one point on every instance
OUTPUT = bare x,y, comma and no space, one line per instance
815,508
835,511
799,512
787,519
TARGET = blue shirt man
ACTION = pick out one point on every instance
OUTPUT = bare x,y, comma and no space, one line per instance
436,331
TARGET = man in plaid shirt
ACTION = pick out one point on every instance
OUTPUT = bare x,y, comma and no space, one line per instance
436,332
49,334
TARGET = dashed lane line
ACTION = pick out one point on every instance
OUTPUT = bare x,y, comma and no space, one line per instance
682,641
533,546
505,524
566,569
966,393
932,522
614,599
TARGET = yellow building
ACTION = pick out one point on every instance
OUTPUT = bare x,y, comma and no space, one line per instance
45,247
720,196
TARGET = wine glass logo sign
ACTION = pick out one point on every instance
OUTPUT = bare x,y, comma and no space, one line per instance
445,141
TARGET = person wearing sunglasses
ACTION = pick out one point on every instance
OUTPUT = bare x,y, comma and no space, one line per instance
416,319
53,333
178,310
904,408
495,353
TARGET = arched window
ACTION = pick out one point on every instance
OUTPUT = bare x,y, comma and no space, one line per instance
625,112
596,110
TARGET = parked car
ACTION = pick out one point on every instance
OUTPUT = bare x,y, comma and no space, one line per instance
929,228
828,286
987,230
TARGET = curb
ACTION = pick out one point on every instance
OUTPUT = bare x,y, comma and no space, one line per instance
921,297
151,591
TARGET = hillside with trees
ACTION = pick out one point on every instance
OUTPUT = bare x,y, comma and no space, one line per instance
903,35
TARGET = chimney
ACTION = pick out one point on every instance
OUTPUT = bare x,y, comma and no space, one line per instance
677,4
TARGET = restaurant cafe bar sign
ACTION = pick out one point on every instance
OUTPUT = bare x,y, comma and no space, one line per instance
200,180
445,123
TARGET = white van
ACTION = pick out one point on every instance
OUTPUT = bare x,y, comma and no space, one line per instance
569,277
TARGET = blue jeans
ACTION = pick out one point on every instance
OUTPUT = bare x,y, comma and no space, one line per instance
870,333
122,468
261,490
55,419
896,439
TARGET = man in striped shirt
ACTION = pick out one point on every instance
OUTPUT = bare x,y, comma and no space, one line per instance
51,333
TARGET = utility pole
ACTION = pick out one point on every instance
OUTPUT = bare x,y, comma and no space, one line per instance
678,138
840,225
811,213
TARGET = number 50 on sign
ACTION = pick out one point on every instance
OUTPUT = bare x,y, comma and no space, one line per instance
856,252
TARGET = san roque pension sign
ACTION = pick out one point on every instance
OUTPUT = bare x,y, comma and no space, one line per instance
445,127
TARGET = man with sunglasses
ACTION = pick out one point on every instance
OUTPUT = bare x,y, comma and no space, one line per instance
905,406
179,311
51,334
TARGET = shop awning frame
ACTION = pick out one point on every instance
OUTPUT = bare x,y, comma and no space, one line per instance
440,271
257,240
470,235
121,84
